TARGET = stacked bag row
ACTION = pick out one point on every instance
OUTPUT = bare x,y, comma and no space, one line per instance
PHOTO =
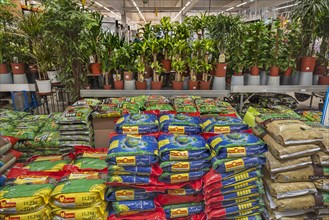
295,174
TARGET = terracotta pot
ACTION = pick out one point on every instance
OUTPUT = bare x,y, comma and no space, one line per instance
324,80
156,85
141,85
193,85
128,76
307,64
118,84
166,65
107,87
177,85
221,69
17,68
254,71
288,72
95,68
320,70
3,68
274,71
237,74
148,71
204,85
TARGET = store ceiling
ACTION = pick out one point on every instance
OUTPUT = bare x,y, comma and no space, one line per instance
154,10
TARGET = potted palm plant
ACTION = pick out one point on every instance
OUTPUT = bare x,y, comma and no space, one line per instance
105,63
166,42
140,66
115,64
154,48
276,41
6,21
207,46
179,63
195,69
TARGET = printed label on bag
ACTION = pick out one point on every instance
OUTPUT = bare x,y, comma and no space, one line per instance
126,161
245,206
176,129
179,212
222,129
164,118
178,178
243,192
114,144
130,129
67,215
178,155
216,141
181,167
125,195
163,143
177,192
206,123
233,165
236,152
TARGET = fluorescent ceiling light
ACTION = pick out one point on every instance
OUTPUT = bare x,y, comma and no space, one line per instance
99,4
243,3
251,0
140,13
287,6
189,2
229,9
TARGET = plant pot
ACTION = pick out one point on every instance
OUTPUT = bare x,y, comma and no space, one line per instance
219,83
128,75
320,69
32,77
295,78
44,86
193,85
6,78
186,79
118,85
316,79
3,68
273,80
307,64
274,71
237,74
107,87
305,78
286,80
263,77
95,68
20,79
17,68
253,80
53,76
288,72
237,80
324,80
177,85
141,85
204,85
254,71
166,65
221,69
129,85
156,85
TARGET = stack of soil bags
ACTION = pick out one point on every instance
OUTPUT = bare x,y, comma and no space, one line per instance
184,104
233,188
293,168
223,124
161,103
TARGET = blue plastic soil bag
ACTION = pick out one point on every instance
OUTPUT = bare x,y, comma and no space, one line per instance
182,177
3,179
234,140
184,166
182,210
223,124
227,165
128,150
183,147
180,124
185,191
124,194
129,179
137,170
126,207
236,152
137,124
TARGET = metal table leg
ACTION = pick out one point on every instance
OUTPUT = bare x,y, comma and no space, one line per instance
241,102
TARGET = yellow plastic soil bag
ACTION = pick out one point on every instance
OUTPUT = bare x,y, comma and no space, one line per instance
96,212
41,214
19,199
78,193
48,163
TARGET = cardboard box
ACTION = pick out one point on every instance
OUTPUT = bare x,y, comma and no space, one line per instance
102,128
103,123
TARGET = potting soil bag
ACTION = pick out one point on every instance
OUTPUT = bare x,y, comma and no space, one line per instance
87,101
8,159
75,115
321,158
50,125
185,191
116,101
6,143
127,150
180,124
96,212
47,163
184,100
70,144
227,165
41,214
130,179
74,127
124,194
185,108
274,165
20,199
184,166
253,213
10,115
237,144
137,124
130,207
156,99
35,126
183,210
322,184
7,126
160,107
182,177
30,118
48,139
78,193
3,180
132,170
90,163
130,108
223,124
70,137
107,111
23,134
325,141
183,148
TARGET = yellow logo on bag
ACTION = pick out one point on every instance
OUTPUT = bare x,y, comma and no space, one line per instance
178,155
130,129
216,141
126,161
164,118
125,195
177,192
63,199
176,129
233,165
179,212
206,123
65,215
222,129
181,166
178,178
163,143
236,152
6,205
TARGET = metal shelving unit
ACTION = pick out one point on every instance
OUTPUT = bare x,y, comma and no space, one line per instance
17,87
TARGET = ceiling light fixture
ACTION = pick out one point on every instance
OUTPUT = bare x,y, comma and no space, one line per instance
229,9
99,4
251,0
140,13
189,2
243,3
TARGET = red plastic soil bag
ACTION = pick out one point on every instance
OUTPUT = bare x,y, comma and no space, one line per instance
158,214
17,172
200,216
212,177
166,199
12,140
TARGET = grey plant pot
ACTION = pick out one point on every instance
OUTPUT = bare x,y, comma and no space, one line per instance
185,82
148,83
286,80
130,85
6,78
316,79
273,80
219,83
20,79
263,77
305,79
237,80
253,80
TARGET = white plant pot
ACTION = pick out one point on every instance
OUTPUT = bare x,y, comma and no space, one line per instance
253,80
53,76
20,79
263,77
305,79
6,78
316,79
237,80
273,80
130,84
295,78
185,82
44,86
219,83
286,80
148,83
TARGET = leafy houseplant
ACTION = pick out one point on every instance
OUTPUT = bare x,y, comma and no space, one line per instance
179,63
166,41
140,83
128,61
154,48
115,65
276,44
195,69
207,46
198,24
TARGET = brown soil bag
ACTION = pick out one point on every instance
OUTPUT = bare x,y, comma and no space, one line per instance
321,158
275,166
325,142
287,190
289,132
322,184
